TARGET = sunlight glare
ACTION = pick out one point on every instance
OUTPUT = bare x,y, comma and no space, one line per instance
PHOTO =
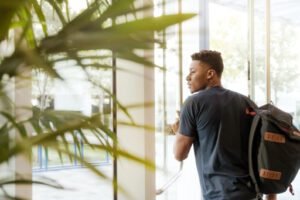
77,5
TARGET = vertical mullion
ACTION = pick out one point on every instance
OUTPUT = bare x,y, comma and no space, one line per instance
46,157
204,24
268,49
165,143
114,109
251,72
180,62
40,156
75,152
81,150
114,120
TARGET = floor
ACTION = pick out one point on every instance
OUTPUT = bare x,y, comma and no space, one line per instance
81,184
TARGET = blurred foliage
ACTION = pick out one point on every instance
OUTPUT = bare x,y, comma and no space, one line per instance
38,34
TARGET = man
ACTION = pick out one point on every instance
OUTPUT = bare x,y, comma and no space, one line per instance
214,120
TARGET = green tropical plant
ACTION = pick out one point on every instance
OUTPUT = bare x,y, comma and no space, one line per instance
115,28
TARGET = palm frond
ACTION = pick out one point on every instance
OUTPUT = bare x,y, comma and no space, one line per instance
8,9
108,26
41,16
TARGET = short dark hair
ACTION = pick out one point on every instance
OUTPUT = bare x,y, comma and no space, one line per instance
212,58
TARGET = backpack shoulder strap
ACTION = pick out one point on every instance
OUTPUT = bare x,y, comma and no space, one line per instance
254,126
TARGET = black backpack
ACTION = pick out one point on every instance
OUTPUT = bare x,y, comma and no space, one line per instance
274,149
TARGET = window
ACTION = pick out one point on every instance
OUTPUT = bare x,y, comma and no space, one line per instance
170,90
238,30
228,34
284,62
75,93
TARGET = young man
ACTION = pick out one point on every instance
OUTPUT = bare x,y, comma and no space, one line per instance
214,120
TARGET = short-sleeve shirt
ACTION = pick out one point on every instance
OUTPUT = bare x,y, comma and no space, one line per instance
216,118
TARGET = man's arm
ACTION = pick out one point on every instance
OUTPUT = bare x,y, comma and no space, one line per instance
182,146
182,143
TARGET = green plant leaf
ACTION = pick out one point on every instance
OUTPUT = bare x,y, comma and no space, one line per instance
58,12
40,14
137,59
81,20
112,26
150,23
46,182
8,9
14,124
119,7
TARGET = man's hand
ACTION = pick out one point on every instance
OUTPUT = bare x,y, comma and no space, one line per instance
175,127
271,197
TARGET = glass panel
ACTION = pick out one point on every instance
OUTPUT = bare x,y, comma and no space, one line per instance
167,91
285,69
77,94
190,40
166,95
259,53
228,34
53,159
91,154
68,96
36,157
233,43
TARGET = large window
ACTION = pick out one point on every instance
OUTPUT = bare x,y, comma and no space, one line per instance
170,90
276,43
67,96
78,93
260,58
284,65
228,34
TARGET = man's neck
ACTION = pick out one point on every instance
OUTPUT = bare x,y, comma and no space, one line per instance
214,83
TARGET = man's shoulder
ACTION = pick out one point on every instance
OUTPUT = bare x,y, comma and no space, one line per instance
242,100
216,93
237,94
206,94
195,97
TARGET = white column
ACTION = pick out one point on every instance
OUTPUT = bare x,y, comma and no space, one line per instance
133,88
136,88
19,92
22,163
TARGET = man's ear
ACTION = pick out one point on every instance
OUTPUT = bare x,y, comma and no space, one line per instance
210,73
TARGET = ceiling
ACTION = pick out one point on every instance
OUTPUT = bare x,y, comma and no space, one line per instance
287,10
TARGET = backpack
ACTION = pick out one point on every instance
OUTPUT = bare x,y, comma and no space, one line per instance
274,149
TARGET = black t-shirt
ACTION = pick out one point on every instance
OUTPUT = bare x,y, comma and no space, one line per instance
217,119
